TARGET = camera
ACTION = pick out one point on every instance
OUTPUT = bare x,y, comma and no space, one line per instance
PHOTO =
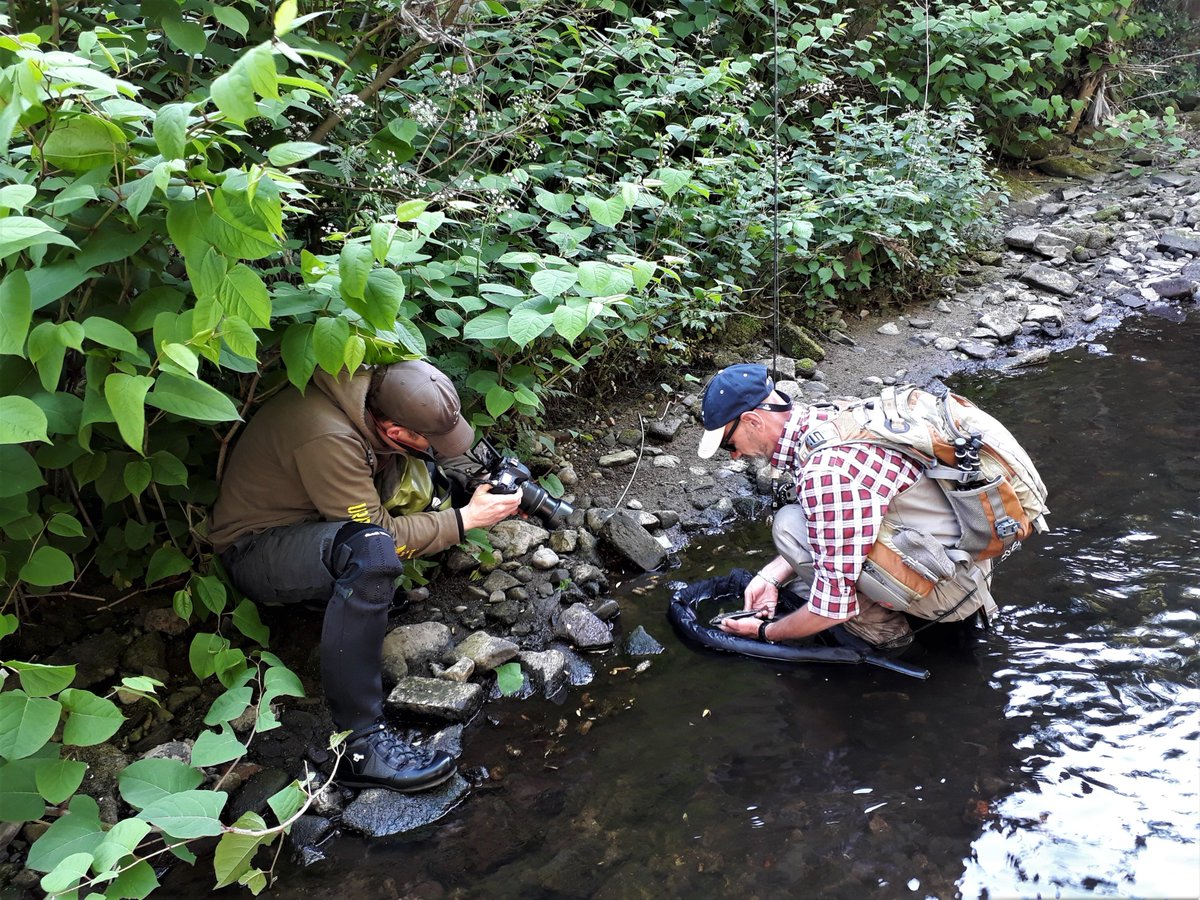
507,475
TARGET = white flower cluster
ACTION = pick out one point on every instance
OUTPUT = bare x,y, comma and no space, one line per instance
296,131
425,112
348,106
470,122
388,173
454,81
530,112
705,35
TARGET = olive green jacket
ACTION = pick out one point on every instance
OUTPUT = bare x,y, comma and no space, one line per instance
314,456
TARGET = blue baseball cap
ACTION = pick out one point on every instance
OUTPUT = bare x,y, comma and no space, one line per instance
733,391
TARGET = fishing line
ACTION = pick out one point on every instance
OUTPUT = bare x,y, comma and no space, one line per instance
775,188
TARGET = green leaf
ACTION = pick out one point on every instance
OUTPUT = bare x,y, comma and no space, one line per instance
58,779
39,680
191,399
527,325
149,780
410,209
600,279
21,421
65,525
84,143
975,80
66,876
20,800
126,396
498,400
509,678
120,841
552,282
606,212
182,604
383,294
26,723
329,343
297,352
292,152
166,562
16,197
203,652
570,321
183,356
16,312
232,18
20,232
215,747
170,129
235,852
243,294
287,802
211,592
559,204
233,94
285,16
229,705
187,36
240,228
138,881
354,266
137,476
489,326
246,620
8,624
90,720
78,831
21,472
48,567
673,180
187,814
410,338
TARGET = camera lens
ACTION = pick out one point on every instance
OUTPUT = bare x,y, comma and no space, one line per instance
536,502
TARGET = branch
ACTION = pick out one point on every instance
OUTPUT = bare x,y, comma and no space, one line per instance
334,118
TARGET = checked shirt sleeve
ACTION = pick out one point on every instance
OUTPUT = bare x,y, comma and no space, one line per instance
845,492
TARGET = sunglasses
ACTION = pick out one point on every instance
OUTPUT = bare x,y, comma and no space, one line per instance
786,406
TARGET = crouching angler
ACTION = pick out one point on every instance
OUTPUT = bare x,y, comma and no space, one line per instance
902,504
326,494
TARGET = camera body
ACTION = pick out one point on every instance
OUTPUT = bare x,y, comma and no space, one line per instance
508,475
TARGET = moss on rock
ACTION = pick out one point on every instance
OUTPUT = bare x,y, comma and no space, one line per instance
797,343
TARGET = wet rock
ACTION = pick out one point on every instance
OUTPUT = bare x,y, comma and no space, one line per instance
620,458
434,698
308,831
1051,280
505,611
977,349
460,672
564,541
1092,313
410,648
499,581
104,765
583,628
258,789
579,671
484,650
1132,301
515,537
664,430
547,670
378,812
634,542
1044,312
606,609
1180,242
1003,327
1174,288
667,518
177,750
640,643
95,658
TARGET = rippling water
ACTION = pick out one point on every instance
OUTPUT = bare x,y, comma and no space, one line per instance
1056,755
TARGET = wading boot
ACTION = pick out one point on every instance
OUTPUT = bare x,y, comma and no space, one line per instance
376,757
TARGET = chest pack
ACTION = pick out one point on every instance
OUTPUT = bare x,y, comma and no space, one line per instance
987,479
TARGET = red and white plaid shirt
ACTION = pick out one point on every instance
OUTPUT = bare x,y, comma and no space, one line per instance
844,492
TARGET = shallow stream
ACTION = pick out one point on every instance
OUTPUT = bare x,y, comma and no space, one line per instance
1055,755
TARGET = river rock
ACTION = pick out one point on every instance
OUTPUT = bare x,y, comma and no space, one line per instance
1171,179
977,349
258,789
1022,237
640,643
634,542
165,621
1051,245
411,648
583,628
889,328
1051,280
1003,327
1043,313
666,461
620,458
435,698
565,540
306,833
378,812
544,558
499,581
946,344
547,670
514,537
460,672
1092,313
1180,242
664,430
484,650
1173,288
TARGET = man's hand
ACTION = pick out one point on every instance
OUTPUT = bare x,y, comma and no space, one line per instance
486,508
746,626
762,597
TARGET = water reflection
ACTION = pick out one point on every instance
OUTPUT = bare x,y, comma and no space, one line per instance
1055,756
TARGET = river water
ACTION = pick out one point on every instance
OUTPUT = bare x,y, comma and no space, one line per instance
1056,755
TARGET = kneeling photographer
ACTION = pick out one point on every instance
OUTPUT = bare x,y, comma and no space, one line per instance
326,494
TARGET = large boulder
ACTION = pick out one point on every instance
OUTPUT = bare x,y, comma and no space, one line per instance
634,542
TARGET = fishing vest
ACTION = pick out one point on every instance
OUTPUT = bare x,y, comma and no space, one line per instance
939,538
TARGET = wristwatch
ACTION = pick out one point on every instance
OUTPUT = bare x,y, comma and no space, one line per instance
762,631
